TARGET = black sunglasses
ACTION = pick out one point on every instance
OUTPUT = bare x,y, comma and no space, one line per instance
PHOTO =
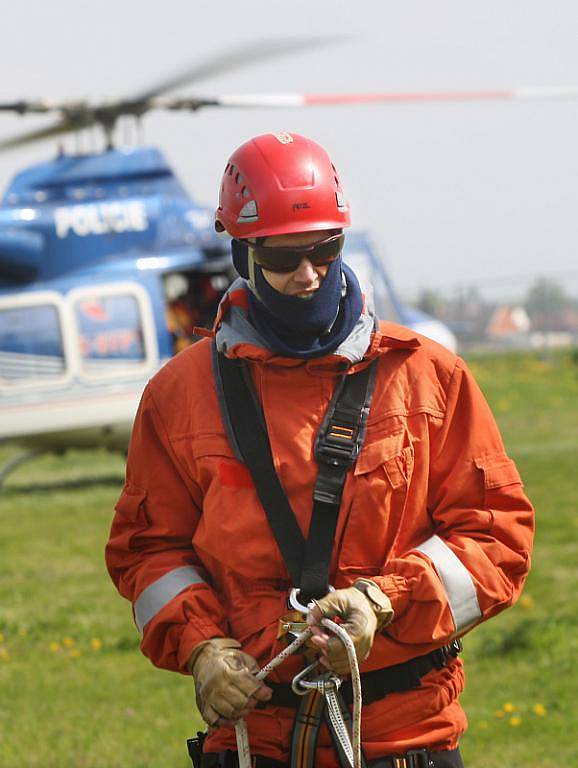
287,258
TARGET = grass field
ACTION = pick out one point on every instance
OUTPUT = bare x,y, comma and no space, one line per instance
76,693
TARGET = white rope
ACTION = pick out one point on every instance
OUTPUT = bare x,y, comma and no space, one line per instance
356,686
241,731
301,638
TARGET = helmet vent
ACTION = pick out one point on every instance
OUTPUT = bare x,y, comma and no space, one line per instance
248,212
238,178
341,201
231,170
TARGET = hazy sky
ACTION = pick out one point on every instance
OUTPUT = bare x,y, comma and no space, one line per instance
451,193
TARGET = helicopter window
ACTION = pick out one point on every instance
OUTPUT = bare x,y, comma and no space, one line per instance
31,344
110,333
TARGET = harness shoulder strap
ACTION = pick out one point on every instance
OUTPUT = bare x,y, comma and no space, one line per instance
338,443
246,430
337,446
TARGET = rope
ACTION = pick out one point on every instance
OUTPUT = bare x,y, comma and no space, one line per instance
355,684
241,731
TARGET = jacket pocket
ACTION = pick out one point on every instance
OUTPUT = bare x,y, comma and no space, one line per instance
217,461
499,470
382,476
131,520
130,506
211,444
232,521
502,485
499,475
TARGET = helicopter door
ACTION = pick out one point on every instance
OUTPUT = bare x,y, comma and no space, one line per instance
192,299
115,331
35,343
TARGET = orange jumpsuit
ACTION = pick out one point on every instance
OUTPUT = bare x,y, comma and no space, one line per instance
433,511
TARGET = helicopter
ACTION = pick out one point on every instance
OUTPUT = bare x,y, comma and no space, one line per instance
107,264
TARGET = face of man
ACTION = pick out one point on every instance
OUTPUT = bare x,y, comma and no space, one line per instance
307,278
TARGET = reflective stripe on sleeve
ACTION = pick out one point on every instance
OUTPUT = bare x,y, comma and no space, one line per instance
459,586
158,594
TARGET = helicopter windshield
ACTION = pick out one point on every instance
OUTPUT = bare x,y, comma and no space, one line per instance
372,281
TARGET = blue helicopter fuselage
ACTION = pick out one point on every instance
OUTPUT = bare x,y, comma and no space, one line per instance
85,244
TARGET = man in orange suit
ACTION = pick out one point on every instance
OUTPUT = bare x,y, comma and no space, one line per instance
384,459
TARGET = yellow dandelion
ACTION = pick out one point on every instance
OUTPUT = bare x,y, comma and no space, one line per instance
508,707
74,653
499,713
540,710
515,721
54,647
483,725
68,642
527,602
4,655
22,631
96,644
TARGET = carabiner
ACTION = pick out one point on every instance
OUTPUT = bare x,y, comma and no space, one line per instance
327,681
296,604
297,684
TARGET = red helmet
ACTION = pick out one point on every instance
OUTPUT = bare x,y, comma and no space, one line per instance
279,183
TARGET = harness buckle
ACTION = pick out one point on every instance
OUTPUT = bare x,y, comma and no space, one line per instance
442,656
418,758
338,444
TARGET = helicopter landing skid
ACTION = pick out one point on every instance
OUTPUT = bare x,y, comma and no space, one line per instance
11,465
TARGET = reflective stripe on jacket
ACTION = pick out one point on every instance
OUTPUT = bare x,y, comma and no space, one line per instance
433,511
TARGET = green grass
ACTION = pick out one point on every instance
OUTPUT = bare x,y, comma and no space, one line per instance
66,702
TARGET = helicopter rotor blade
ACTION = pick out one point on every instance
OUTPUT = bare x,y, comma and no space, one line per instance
497,94
26,107
280,100
56,129
238,57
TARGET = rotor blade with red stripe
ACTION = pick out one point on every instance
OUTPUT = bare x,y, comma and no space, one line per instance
264,100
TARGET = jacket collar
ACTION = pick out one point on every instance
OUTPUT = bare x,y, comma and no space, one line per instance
236,337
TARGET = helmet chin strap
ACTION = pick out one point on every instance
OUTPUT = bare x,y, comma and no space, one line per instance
245,263
251,267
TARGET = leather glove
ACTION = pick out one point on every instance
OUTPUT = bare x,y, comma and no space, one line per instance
225,683
364,610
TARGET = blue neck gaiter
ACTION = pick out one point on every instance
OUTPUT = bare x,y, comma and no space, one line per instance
307,328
